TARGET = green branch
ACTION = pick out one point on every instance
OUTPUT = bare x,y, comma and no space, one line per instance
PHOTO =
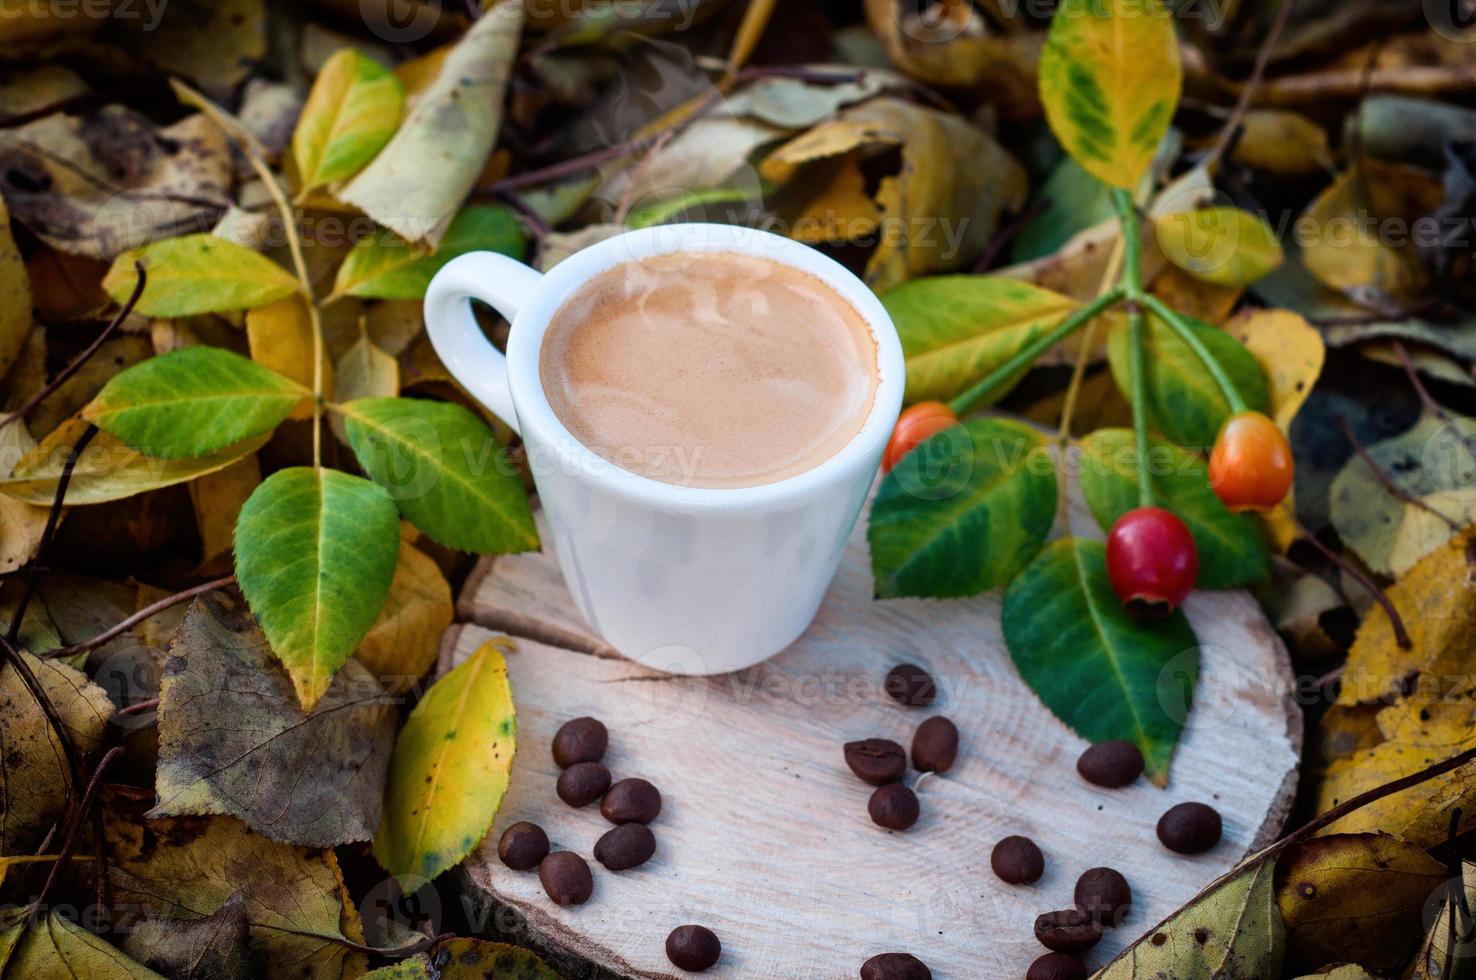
1212,364
1139,398
1001,375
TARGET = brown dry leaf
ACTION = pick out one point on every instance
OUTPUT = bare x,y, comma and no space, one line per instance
1437,601
217,498
213,43
234,740
403,642
117,353
281,338
66,287
28,93
934,217
415,185
364,371
102,183
951,45
15,286
1354,898
26,377
710,152
187,868
1295,599
217,946
21,524
36,778
1432,724
838,209
1193,296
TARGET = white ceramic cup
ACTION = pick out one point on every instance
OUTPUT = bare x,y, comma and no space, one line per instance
688,580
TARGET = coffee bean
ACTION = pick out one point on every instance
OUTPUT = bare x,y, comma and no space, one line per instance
583,783
565,876
625,847
935,745
1017,860
1056,966
1112,764
893,807
1190,828
693,948
909,684
1104,894
895,966
580,740
877,761
522,846
1067,931
631,801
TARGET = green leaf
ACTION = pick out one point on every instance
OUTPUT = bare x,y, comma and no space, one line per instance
1231,552
450,769
1096,667
198,274
193,401
1232,930
1184,402
388,267
1109,82
1432,463
315,554
1225,246
956,329
446,471
352,111
963,512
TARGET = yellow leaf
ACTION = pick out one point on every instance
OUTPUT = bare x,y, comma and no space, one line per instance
55,947
1280,141
352,111
364,371
1290,352
954,46
281,338
15,285
1193,296
839,210
217,498
1109,81
450,768
403,642
1225,246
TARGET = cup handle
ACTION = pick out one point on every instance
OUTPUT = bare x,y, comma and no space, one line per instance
500,282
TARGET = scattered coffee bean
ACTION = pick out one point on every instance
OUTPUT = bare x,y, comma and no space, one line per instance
566,878
1104,894
580,740
935,745
583,783
522,846
625,847
909,684
1067,931
893,807
877,761
693,948
631,801
1112,764
895,966
1056,966
1017,860
1190,828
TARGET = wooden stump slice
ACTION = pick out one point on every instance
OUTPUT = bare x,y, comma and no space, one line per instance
764,835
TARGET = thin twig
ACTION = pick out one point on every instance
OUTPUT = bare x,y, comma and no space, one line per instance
397,952
539,228
118,629
53,517
1386,479
1401,635
38,694
1084,350
139,707
1258,72
65,857
1007,234
82,358
1430,403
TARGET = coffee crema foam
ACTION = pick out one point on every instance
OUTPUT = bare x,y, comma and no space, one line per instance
710,369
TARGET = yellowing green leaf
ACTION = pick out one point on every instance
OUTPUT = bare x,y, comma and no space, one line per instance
55,947
108,469
193,401
450,769
1222,245
403,642
198,274
315,554
281,339
445,470
956,329
352,111
388,267
1109,81
458,958
1233,930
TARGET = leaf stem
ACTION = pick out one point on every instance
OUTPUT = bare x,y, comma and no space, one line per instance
1139,385
1132,239
1212,364
118,629
1396,622
1001,375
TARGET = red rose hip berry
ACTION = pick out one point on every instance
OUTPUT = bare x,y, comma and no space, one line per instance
1151,561
1250,467
914,426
